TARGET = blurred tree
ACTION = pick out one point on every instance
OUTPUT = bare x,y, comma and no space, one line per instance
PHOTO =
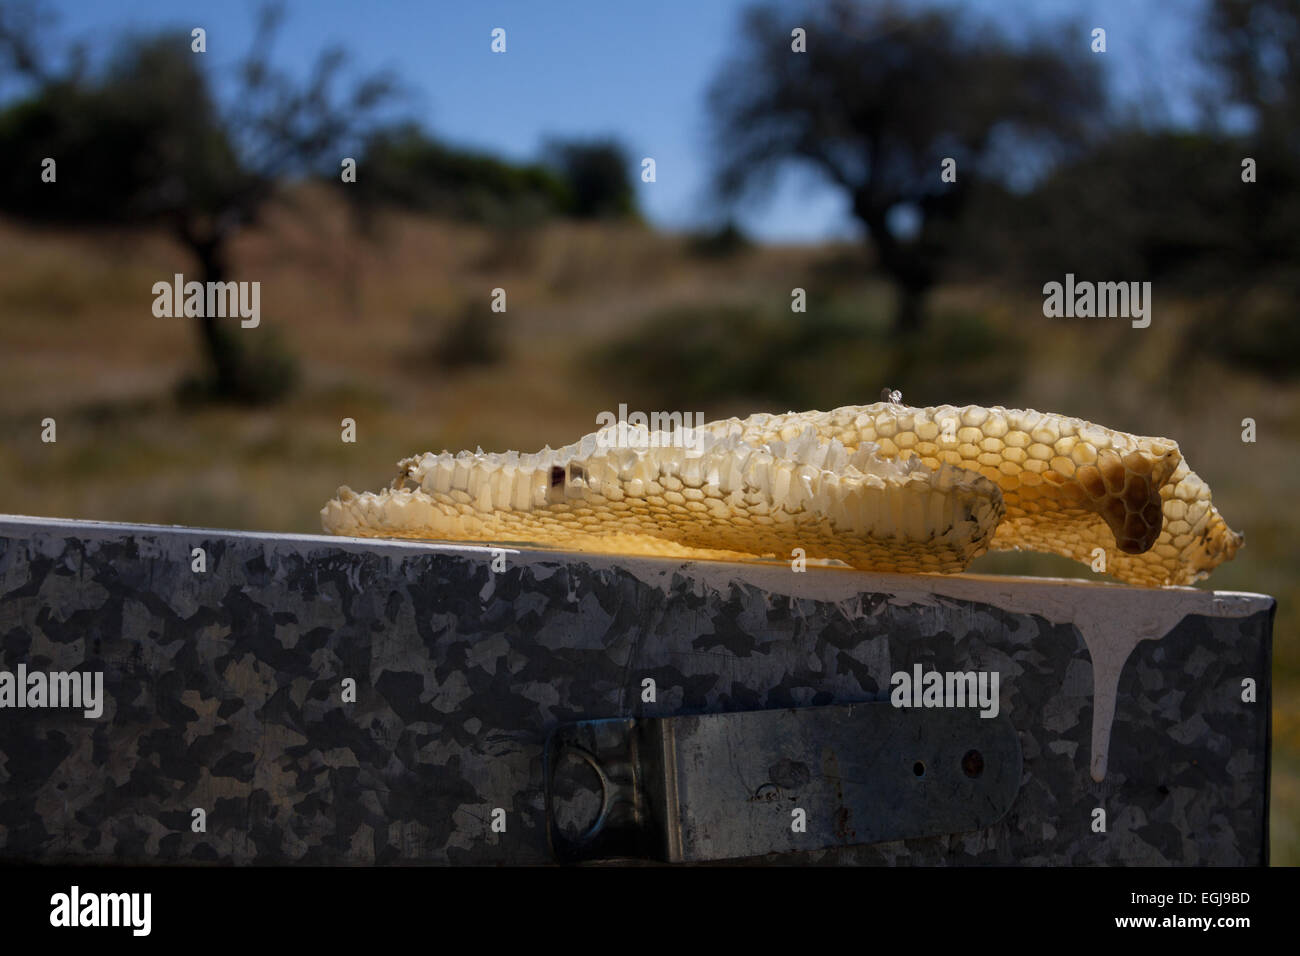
1140,204
1253,47
1253,50
596,173
878,101
1255,44
146,143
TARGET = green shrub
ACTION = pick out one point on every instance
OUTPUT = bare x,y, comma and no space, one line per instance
405,168
596,176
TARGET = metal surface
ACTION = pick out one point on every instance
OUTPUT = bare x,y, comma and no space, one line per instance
222,693
721,786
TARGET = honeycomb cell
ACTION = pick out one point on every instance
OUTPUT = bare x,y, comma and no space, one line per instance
1063,466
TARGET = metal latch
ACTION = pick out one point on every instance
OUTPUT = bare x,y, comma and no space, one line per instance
723,786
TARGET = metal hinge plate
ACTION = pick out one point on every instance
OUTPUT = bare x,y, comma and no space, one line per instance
724,786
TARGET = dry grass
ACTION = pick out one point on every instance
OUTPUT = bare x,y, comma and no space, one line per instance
78,343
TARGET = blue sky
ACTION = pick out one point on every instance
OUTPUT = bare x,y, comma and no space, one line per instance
638,71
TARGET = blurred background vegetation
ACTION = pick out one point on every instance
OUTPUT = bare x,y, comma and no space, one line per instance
376,294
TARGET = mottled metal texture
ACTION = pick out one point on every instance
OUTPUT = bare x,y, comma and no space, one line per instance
223,693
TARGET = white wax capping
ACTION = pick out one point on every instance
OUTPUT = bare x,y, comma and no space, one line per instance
670,460
446,469
691,471
780,481
625,460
